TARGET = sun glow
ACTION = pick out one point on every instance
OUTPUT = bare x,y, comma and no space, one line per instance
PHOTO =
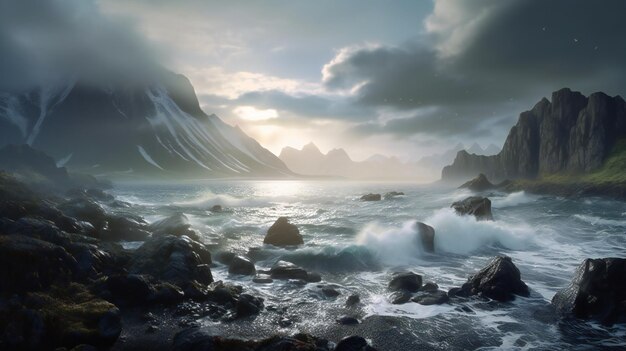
251,113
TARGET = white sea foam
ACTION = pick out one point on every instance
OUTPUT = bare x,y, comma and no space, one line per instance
513,199
593,220
208,200
394,246
464,234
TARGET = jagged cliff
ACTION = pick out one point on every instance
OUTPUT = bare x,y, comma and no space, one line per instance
572,134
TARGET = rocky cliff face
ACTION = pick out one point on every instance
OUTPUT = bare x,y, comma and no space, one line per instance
571,134
151,128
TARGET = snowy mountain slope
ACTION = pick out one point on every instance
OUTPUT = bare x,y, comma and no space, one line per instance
148,129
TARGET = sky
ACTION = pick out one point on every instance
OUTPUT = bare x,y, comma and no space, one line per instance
406,78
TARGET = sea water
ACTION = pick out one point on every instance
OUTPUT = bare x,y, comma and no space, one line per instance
357,245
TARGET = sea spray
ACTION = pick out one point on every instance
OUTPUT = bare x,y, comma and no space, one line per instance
513,199
464,234
393,246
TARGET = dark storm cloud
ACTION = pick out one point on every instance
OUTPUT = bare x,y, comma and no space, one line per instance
43,40
480,60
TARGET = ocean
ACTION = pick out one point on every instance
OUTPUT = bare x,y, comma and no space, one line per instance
357,245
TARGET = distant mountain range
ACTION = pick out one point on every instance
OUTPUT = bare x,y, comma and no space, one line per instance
311,161
147,129
432,165
570,135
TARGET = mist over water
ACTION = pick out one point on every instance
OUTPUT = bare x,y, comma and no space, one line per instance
357,245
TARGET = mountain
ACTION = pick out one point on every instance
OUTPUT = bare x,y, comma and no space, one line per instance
572,134
311,161
152,128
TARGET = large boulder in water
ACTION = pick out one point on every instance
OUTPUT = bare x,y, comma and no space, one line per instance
479,207
179,260
407,281
598,292
500,280
426,235
283,233
241,265
371,197
176,224
480,183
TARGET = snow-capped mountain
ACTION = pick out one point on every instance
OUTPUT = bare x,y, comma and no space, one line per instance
149,129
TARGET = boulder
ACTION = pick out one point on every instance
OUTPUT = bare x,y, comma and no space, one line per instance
479,207
426,236
478,184
283,233
347,320
597,292
407,281
248,305
85,209
176,224
120,228
28,264
429,287
216,209
288,270
371,197
353,299
500,280
400,297
241,265
353,343
432,298
65,316
174,259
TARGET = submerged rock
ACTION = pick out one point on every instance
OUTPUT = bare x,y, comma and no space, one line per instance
431,298
400,297
479,207
393,194
216,209
426,236
407,281
371,197
347,320
353,343
480,183
241,265
288,270
283,233
248,305
353,299
597,291
500,280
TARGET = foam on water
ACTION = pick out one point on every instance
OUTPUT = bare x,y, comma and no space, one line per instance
593,220
209,200
393,246
513,199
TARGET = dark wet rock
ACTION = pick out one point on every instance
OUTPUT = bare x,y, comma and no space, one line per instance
353,343
199,339
371,197
174,259
225,257
28,264
136,289
429,287
432,298
330,292
347,320
62,317
283,233
480,183
500,280
479,207
426,236
34,166
313,277
241,265
353,299
85,209
597,292
287,270
216,209
224,293
120,228
393,194
248,305
400,297
407,281
284,322
262,279
176,224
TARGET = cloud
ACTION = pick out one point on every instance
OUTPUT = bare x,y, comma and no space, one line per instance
42,41
482,61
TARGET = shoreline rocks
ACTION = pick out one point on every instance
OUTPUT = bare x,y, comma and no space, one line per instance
477,206
478,184
426,235
500,280
597,291
371,197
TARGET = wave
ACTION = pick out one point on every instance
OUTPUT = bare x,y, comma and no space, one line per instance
593,220
350,258
513,199
209,200
453,234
